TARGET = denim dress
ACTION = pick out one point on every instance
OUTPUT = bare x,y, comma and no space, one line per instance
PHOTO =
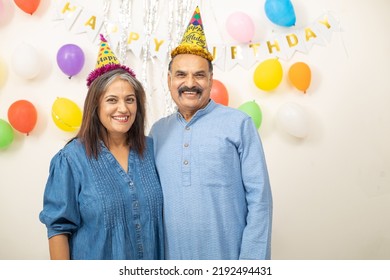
108,213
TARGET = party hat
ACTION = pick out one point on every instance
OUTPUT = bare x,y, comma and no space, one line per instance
194,39
106,62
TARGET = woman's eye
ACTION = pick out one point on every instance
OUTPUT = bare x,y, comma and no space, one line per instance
131,100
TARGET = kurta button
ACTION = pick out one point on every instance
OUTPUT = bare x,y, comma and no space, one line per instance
185,162
187,128
186,145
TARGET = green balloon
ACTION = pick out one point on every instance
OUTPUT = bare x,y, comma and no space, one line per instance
253,110
6,134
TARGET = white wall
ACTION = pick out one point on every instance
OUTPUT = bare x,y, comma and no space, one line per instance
331,189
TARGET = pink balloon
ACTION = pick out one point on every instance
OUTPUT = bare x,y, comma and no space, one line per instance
241,27
1,9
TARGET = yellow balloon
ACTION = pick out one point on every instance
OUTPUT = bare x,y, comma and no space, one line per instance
268,74
66,114
3,73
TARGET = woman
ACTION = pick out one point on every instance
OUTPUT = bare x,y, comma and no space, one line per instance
103,198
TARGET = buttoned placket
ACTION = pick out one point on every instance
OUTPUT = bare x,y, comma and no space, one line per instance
136,215
136,220
186,156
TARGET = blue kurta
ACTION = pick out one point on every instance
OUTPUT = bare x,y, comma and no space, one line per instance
108,213
217,196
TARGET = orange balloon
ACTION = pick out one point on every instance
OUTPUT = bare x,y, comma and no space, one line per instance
219,93
22,115
300,76
28,6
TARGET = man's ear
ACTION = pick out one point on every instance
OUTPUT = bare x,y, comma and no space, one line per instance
169,78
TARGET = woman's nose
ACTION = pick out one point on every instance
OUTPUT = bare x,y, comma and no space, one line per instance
122,106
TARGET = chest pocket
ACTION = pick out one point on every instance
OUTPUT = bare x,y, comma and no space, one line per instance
219,164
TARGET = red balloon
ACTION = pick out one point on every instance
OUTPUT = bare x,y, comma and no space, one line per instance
28,6
22,115
219,93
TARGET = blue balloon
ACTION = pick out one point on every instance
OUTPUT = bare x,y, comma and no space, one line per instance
280,12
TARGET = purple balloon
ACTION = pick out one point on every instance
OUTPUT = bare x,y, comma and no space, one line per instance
70,59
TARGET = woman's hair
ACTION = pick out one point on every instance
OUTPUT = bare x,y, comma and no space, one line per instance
92,130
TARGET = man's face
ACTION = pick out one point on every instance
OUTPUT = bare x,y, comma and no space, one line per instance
190,82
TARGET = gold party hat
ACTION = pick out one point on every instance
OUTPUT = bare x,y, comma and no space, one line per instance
106,62
194,39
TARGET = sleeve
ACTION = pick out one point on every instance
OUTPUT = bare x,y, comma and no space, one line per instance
256,240
60,211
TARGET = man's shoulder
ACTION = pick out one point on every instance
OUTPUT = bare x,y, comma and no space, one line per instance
230,112
164,121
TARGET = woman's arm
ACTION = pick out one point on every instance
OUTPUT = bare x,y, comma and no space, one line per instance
59,247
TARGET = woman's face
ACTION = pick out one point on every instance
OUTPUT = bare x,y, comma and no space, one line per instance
118,108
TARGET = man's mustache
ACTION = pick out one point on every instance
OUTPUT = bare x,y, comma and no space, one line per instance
195,89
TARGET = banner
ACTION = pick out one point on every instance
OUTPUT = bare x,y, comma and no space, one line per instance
79,20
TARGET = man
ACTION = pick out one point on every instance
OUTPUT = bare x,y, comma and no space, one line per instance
217,196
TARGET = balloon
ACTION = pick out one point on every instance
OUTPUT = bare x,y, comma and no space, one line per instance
219,93
293,119
22,115
241,27
3,72
5,11
6,134
268,74
28,6
300,76
66,114
253,110
26,62
70,59
280,12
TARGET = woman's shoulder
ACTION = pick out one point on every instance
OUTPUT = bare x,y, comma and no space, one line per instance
73,148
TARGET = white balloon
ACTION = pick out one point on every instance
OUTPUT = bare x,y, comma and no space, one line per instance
26,62
293,119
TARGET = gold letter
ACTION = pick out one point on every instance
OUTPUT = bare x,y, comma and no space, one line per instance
325,22
214,52
275,45
309,33
233,52
91,22
255,48
67,8
132,36
158,44
292,40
